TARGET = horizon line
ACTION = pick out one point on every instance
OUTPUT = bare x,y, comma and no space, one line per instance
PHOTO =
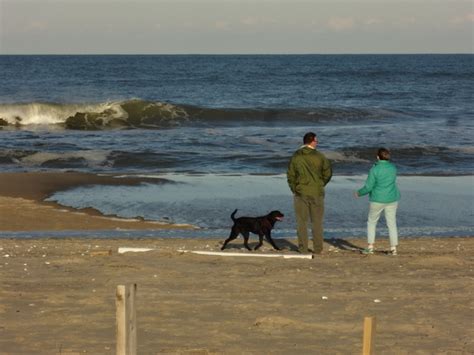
233,54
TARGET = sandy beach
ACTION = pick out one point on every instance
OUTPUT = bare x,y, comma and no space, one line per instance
58,294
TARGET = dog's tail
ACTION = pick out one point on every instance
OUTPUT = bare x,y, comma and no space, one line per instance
233,214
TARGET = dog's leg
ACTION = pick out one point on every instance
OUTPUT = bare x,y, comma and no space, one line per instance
260,241
246,239
268,236
234,233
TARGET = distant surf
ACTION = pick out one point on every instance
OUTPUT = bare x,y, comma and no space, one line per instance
138,113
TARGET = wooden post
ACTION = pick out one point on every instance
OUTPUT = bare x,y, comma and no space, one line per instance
126,319
369,336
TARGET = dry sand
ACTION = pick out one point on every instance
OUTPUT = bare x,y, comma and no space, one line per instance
58,298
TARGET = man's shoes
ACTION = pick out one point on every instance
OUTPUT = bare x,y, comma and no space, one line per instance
309,251
393,252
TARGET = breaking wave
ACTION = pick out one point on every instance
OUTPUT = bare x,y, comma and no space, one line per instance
132,113
155,115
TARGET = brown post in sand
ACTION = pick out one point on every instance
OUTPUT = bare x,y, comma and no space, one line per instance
369,336
126,319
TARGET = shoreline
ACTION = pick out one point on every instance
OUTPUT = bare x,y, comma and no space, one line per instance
23,206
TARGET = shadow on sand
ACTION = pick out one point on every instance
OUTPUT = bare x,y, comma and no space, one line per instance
337,243
286,245
343,245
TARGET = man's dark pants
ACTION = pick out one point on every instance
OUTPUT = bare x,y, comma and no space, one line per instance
309,208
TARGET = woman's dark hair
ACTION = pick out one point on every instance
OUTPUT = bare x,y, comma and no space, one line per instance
383,154
309,137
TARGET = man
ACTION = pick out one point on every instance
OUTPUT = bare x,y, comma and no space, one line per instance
308,173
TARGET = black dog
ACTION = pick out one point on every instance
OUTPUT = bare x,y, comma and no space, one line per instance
262,226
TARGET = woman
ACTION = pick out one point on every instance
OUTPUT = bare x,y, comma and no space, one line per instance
383,196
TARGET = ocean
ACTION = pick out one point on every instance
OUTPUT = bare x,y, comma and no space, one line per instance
223,127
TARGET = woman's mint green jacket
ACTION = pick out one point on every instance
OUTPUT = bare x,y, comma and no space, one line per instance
381,184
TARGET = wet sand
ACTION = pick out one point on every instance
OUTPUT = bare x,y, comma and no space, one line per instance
23,207
58,295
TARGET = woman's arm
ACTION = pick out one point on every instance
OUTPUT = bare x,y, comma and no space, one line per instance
369,183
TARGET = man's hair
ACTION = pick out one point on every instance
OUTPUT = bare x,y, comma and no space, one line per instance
383,154
309,137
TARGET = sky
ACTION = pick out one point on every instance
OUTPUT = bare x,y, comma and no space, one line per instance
235,26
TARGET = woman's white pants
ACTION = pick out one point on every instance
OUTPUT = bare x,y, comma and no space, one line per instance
375,210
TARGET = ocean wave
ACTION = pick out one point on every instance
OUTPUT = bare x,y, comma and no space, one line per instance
414,160
435,160
56,160
155,115
345,157
414,152
131,113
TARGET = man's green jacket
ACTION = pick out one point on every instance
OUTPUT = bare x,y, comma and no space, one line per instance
308,172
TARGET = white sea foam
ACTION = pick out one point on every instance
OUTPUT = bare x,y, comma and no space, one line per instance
92,157
50,114
339,157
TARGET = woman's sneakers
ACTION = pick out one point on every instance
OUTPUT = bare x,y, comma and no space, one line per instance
368,251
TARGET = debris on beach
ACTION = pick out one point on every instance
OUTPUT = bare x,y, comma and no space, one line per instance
101,253
122,250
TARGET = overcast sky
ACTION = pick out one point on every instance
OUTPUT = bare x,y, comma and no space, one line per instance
235,26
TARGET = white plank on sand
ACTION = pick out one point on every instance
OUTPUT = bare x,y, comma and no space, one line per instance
284,256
